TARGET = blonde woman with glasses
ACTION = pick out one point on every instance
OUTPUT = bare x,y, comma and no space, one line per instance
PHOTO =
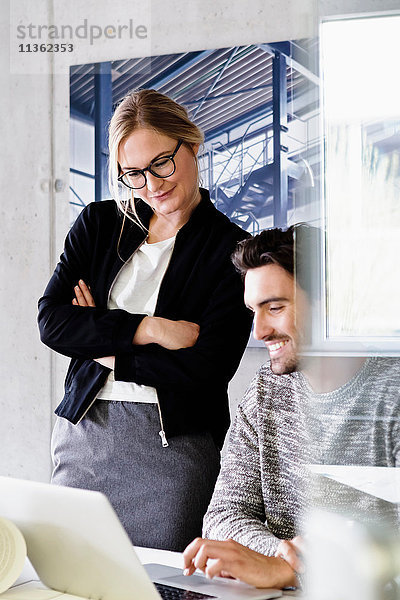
147,304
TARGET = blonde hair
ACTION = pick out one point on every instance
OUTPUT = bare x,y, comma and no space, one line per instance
147,109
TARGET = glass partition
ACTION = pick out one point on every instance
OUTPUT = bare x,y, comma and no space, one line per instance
361,208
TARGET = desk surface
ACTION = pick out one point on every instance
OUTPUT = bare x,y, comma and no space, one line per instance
382,482
163,557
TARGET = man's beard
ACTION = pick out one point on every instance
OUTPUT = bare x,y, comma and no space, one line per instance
285,367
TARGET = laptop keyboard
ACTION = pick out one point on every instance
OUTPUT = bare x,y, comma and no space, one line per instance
172,593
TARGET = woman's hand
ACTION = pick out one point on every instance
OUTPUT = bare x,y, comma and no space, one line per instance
83,296
169,334
106,361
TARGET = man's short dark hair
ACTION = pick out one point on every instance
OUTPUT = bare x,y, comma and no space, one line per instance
278,247
270,247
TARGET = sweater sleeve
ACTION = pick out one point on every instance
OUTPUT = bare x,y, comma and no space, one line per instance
224,331
237,510
75,331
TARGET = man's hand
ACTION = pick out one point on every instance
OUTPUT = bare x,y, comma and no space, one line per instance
169,334
231,559
292,551
83,296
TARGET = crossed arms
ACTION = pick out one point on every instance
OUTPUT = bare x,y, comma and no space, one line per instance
169,334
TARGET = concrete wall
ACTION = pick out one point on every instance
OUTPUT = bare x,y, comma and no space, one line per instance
34,107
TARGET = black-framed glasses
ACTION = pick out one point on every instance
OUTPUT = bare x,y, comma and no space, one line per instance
163,166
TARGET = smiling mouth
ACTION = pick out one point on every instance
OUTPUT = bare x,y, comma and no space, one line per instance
162,196
273,348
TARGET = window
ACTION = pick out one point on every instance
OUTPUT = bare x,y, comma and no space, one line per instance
361,120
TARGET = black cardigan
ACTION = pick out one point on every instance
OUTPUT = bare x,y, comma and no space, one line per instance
200,285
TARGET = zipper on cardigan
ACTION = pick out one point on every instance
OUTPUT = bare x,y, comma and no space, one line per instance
164,440
87,410
161,433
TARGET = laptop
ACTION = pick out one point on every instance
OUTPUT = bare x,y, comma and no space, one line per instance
78,546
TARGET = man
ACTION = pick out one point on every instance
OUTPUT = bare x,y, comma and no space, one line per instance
293,412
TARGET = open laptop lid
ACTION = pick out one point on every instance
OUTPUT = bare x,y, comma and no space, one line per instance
77,545
75,541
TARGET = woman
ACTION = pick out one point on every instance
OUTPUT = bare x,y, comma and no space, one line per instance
147,304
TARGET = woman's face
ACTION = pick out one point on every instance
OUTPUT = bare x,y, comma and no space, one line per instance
178,193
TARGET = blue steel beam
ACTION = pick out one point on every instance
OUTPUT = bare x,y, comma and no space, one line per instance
285,49
216,80
205,76
292,50
302,58
264,109
78,113
261,111
82,173
279,125
102,116
182,65
81,202
229,94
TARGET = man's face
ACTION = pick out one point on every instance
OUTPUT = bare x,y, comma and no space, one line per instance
271,293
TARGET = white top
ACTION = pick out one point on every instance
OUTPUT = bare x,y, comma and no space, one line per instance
136,290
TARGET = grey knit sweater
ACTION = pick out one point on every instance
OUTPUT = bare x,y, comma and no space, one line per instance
263,488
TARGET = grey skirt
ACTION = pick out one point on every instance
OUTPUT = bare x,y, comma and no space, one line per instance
160,494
